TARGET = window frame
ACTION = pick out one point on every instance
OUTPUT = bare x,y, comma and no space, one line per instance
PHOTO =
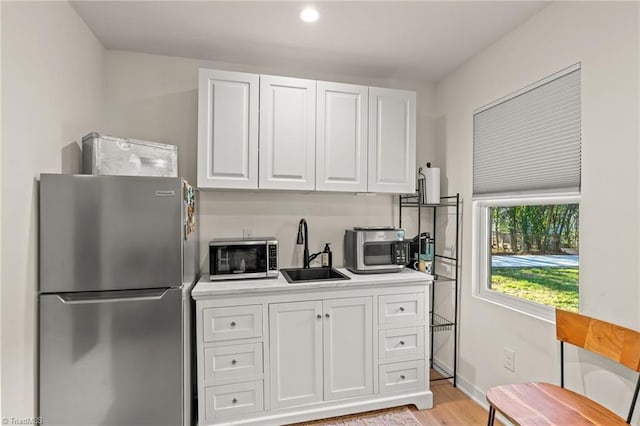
481,250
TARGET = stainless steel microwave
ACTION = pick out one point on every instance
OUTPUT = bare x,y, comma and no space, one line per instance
232,258
375,250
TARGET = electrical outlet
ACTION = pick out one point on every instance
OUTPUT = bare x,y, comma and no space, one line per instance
509,357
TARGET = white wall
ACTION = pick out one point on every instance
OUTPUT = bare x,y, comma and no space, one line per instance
1,375
52,95
154,97
604,37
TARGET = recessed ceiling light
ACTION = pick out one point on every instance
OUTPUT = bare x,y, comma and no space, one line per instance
309,14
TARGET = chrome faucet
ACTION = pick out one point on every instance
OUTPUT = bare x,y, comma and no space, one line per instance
304,238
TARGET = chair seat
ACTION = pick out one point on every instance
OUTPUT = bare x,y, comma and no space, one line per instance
546,404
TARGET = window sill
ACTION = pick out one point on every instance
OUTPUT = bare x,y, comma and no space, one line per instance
532,309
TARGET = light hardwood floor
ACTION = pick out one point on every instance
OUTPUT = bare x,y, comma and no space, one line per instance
451,407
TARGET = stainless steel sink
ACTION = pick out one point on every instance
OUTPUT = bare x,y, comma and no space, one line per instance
300,275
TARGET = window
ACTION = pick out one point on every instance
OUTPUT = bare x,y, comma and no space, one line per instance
531,252
526,194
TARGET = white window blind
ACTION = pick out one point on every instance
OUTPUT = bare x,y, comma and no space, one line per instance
531,141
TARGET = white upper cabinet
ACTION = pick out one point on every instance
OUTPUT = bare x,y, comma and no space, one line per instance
227,129
287,133
341,137
392,141
262,131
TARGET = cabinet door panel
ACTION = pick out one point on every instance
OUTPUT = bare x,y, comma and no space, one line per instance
296,353
348,348
341,144
392,141
287,133
227,129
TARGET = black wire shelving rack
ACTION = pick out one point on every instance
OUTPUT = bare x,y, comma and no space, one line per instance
438,322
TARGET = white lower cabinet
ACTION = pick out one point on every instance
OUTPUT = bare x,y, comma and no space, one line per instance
295,345
320,350
348,347
292,356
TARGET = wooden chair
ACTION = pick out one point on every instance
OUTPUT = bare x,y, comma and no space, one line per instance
546,404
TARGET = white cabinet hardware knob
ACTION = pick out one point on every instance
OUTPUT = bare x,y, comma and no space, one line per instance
327,315
233,323
319,316
401,342
401,308
234,400
402,377
234,362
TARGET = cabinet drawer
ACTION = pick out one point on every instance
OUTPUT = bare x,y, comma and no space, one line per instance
402,376
398,343
232,400
235,361
398,308
236,322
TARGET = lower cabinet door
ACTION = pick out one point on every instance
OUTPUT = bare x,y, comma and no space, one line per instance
295,345
348,348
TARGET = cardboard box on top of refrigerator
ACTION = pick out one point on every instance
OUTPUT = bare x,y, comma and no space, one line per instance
110,155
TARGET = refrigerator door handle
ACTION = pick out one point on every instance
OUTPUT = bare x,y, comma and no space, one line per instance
112,296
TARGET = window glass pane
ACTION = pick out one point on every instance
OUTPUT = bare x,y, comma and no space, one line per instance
534,253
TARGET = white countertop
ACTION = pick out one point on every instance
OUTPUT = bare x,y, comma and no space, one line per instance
207,288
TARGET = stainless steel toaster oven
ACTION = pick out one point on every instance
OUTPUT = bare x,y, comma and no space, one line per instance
370,250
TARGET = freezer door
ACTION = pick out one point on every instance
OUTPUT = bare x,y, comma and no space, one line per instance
109,232
112,358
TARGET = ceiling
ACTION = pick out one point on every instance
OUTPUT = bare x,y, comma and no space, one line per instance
416,40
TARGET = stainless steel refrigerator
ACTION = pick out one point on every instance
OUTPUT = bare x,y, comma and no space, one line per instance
118,258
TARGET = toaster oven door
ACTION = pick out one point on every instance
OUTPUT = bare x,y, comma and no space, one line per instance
382,256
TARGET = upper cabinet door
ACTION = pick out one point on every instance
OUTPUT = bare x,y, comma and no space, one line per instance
287,133
227,129
392,140
341,137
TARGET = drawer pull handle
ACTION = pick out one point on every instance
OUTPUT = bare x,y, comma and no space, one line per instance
402,377
234,362
327,315
401,308
234,401
401,342
233,323
319,316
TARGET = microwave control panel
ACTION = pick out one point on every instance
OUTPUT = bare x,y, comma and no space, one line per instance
273,256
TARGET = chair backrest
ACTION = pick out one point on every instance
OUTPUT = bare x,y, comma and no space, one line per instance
617,343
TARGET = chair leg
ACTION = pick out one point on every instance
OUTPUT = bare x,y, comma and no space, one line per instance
492,415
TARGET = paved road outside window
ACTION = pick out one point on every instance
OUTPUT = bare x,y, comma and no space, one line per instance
533,261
